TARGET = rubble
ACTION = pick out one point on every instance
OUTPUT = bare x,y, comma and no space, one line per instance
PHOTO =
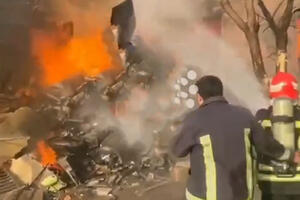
94,159
27,169
23,193
53,184
12,146
7,183
103,191
91,158
67,197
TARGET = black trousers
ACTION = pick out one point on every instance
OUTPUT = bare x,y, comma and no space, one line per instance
280,197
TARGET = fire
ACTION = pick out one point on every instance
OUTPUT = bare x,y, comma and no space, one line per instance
48,155
80,55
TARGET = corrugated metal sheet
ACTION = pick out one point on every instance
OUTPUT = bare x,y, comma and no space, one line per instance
7,183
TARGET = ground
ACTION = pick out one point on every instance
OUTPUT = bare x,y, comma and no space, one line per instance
171,191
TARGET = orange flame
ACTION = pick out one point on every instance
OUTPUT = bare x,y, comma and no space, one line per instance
48,155
85,55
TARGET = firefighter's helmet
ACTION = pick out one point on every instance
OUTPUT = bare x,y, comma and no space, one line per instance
284,85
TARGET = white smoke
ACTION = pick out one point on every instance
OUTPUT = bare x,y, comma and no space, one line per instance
174,26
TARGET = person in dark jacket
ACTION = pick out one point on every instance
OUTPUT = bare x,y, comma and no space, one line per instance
280,181
218,136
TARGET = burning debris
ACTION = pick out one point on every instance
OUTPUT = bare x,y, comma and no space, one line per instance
81,133
84,155
87,55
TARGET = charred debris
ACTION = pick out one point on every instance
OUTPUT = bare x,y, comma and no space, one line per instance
92,159
59,150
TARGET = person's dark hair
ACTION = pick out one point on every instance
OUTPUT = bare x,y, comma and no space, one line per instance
209,86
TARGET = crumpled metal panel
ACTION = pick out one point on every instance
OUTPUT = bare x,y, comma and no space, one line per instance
7,183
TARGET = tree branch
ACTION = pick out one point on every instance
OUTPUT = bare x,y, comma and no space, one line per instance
247,10
285,20
277,8
227,7
250,29
296,10
267,15
251,18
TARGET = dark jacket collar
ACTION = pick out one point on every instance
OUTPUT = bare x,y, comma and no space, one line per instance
210,100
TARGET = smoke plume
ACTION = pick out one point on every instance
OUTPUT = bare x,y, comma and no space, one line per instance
176,27
169,37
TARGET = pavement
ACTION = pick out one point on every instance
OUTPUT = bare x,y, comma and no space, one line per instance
170,191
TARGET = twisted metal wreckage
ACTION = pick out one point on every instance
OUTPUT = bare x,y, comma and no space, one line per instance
68,157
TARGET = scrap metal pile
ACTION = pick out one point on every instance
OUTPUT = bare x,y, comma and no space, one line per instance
89,159
65,138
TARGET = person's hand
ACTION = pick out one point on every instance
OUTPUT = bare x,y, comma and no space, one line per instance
297,157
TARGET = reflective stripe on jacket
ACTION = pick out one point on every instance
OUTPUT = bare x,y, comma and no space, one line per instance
268,181
218,137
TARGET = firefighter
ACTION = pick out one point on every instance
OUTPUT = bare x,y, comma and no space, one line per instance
280,181
218,137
